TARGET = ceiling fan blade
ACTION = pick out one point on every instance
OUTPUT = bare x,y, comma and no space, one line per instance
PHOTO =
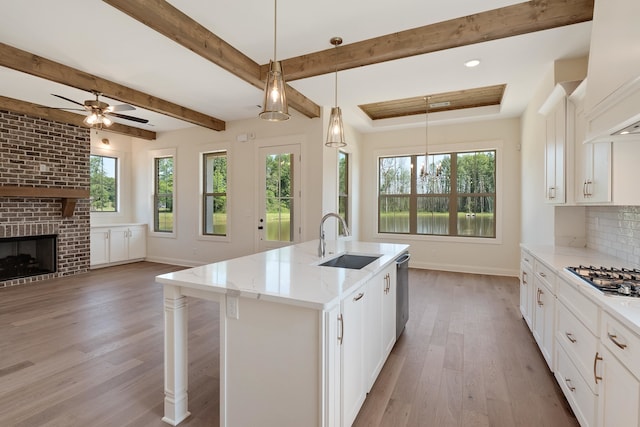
121,107
67,99
123,116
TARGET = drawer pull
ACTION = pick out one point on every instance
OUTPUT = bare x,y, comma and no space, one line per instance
358,297
542,274
524,278
595,364
526,259
570,337
613,338
540,303
341,334
568,381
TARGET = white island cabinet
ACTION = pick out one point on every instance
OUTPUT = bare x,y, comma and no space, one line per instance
295,337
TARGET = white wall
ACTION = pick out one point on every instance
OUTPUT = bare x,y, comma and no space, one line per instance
491,256
187,247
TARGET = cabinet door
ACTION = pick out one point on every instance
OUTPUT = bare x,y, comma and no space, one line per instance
600,189
544,321
333,337
526,293
99,246
389,313
373,328
619,400
137,242
119,244
352,357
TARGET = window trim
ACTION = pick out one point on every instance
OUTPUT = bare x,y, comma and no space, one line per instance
119,164
218,148
153,155
496,145
347,218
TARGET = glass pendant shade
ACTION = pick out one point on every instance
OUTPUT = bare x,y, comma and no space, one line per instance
274,106
335,133
97,120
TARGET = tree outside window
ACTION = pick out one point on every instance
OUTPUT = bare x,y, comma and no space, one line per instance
103,171
163,195
449,194
343,189
215,194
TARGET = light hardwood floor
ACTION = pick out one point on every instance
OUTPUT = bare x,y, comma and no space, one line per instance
87,350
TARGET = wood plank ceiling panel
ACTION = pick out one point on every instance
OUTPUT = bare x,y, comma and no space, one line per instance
447,101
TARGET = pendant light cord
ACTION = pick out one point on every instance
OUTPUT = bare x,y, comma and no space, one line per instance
275,28
336,85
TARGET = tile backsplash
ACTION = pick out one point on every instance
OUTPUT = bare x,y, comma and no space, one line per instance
615,230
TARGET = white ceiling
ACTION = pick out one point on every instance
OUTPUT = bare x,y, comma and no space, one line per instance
96,38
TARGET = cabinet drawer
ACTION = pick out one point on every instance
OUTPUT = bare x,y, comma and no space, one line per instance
581,398
545,274
580,344
623,343
580,305
527,259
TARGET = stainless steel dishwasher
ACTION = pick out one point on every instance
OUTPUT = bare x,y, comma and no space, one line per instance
402,292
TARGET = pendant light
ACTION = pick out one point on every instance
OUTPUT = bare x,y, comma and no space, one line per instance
335,134
274,106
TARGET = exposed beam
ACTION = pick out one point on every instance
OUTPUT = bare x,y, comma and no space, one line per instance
29,63
43,112
172,23
481,27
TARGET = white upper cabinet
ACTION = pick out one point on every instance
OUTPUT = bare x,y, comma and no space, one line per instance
592,161
613,94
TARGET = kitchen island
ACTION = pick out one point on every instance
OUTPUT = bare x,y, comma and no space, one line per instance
300,343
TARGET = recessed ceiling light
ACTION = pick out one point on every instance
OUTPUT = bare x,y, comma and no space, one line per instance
472,63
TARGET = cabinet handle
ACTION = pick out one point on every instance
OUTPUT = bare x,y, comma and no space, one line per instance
616,342
524,278
568,381
589,190
542,274
341,334
540,303
570,336
595,363
526,259
584,189
358,297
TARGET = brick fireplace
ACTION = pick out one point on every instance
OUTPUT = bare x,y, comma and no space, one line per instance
40,154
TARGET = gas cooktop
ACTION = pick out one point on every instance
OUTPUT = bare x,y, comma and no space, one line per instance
610,280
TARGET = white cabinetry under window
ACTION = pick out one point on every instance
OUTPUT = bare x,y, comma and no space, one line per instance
118,244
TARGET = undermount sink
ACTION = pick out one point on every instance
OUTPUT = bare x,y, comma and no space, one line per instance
352,261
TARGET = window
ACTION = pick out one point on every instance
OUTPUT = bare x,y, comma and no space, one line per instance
453,194
103,171
163,194
215,194
343,189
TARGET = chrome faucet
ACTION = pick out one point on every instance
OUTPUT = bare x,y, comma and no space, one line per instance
322,244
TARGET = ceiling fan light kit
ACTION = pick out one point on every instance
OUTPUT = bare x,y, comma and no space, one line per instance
99,111
335,133
274,106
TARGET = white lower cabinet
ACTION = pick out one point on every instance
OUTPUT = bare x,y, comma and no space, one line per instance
117,244
352,368
544,312
580,397
526,288
620,397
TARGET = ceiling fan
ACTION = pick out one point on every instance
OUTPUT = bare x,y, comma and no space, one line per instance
99,111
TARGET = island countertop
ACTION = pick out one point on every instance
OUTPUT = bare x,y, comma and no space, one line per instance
289,275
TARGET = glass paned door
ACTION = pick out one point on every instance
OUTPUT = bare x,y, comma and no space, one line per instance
278,224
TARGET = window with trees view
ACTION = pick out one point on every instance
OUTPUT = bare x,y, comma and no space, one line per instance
163,195
343,189
215,194
103,171
453,194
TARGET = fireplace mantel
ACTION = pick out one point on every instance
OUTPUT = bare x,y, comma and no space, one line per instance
69,196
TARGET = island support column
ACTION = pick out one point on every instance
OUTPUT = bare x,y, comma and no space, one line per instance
175,356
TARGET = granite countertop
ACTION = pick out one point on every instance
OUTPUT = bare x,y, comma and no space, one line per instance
289,275
624,309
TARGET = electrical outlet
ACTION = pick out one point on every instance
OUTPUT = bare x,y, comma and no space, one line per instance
233,311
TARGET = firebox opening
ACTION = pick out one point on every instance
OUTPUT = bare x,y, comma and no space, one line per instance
27,256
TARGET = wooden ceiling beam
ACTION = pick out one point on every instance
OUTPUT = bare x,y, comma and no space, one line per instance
177,26
53,114
518,19
38,66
